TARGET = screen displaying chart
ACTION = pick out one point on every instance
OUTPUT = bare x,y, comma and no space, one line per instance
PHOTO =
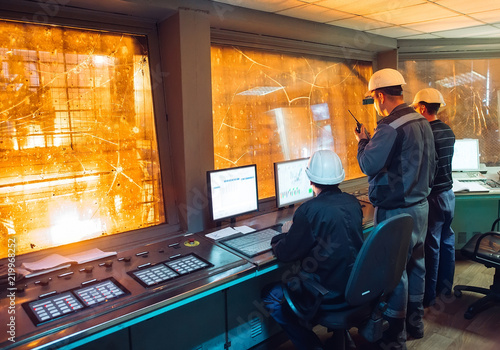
291,181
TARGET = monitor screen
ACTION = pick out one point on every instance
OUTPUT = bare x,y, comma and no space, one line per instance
466,155
232,191
291,182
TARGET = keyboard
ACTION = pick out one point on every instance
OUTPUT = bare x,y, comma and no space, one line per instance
485,182
252,243
492,184
468,175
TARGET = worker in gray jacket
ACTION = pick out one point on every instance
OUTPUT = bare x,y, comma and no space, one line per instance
400,161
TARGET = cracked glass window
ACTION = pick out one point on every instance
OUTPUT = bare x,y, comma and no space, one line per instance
270,107
79,156
471,91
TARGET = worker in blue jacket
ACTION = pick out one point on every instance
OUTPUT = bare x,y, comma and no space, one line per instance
324,237
400,161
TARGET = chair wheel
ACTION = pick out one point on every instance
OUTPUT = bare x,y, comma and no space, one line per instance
468,315
457,293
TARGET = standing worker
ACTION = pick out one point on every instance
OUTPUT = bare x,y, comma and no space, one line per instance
440,240
400,161
325,237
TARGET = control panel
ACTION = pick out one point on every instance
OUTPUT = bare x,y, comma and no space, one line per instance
49,308
149,275
118,287
54,305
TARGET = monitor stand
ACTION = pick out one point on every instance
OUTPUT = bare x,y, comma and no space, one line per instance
232,222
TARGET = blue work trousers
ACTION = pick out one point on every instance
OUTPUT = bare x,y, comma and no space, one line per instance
303,338
412,284
439,246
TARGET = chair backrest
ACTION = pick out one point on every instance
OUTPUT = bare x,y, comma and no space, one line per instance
495,223
381,261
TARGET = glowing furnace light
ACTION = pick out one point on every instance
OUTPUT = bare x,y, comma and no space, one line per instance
68,228
100,60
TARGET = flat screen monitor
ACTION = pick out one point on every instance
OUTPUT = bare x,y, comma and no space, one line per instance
232,191
291,182
466,155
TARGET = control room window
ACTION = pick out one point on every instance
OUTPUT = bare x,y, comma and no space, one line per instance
471,90
270,107
79,155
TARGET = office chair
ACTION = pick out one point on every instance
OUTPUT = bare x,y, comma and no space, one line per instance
376,272
485,249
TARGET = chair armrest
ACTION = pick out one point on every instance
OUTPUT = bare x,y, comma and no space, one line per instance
318,287
483,236
489,252
316,291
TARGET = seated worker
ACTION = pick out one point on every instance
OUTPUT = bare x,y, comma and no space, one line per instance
325,237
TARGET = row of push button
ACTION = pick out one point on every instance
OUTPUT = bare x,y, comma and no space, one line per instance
55,306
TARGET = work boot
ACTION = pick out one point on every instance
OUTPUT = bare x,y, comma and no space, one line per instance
414,323
394,338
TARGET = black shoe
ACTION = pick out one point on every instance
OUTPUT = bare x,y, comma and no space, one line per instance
429,302
393,338
414,323
415,331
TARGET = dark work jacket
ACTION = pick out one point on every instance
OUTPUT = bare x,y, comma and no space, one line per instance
444,140
400,159
325,238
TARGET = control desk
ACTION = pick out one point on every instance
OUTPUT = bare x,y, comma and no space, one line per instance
71,303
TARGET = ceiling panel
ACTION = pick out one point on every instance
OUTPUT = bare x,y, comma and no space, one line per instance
264,5
485,31
469,6
413,14
394,19
315,13
366,7
395,32
443,24
487,16
360,23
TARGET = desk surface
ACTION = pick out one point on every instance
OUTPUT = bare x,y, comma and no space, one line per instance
150,280
493,173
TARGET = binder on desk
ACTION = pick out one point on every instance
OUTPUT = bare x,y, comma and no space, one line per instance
468,186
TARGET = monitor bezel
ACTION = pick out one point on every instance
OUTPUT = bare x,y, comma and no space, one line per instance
476,141
209,192
276,184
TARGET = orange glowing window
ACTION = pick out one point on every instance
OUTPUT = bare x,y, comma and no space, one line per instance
79,155
269,107
471,91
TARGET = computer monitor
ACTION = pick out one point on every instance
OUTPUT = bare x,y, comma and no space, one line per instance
466,155
291,182
232,191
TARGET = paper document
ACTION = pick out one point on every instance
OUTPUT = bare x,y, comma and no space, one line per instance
459,186
90,255
49,262
244,229
56,261
225,232
229,231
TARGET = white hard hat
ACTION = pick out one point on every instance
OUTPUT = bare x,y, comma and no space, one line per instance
384,78
428,95
325,168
